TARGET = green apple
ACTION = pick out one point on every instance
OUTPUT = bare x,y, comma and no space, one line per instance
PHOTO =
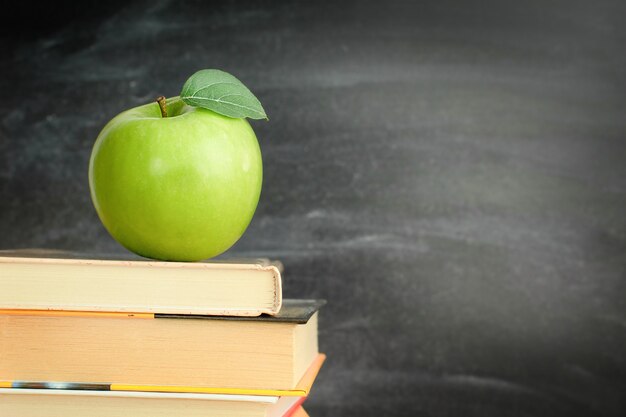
182,187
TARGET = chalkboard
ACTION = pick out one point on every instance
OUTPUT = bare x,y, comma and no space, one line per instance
450,176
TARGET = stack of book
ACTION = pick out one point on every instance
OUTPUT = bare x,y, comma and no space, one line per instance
87,337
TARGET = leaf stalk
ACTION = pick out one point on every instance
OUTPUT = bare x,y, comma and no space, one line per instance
162,105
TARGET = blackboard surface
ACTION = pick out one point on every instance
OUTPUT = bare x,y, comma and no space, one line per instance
450,176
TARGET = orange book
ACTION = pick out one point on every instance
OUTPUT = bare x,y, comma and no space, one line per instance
299,412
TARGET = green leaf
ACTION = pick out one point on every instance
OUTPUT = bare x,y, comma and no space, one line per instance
222,93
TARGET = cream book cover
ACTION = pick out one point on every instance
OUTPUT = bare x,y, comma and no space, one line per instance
58,280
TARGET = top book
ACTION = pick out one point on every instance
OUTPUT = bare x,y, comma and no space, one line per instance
59,280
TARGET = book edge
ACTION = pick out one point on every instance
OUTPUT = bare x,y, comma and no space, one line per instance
140,394
255,264
276,318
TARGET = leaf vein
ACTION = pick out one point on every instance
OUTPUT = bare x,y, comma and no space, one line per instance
228,95
229,103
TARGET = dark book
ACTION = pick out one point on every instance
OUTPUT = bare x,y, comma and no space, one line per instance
147,350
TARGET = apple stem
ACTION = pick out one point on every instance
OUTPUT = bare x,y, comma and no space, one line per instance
162,105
